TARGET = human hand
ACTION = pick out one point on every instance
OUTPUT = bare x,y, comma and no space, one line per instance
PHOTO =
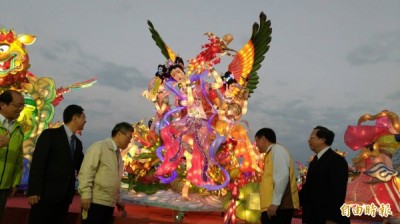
182,103
13,191
4,139
272,210
120,206
85,203
34,199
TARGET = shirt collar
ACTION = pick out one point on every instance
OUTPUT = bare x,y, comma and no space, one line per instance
114,145
322,152
269,148
5,122
3,119
68,131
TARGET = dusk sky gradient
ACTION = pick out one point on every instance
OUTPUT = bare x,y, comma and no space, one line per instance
329,61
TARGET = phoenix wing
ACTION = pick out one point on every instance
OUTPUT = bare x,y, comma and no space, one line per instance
165,50
247,60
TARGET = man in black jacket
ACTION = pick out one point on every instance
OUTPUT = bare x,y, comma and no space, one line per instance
324,191
57,158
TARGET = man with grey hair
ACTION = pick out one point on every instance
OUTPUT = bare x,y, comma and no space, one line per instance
100,176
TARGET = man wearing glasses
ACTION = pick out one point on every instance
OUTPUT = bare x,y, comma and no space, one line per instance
11,138
100,176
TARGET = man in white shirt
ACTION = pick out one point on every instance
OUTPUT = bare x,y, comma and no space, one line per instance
278,187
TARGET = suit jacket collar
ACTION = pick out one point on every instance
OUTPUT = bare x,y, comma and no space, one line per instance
322,152
111,144
61,131
323,156
68,131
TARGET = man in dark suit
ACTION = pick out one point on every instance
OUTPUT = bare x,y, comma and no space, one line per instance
324,191
56,160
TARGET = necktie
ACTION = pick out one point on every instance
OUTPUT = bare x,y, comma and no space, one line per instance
72,144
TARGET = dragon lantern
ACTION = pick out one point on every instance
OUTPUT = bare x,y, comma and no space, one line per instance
14,59
40,93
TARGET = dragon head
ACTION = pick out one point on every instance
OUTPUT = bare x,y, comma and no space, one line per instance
14,60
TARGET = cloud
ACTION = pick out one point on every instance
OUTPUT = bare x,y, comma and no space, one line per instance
121,77
290,121
107,73
381,47
303,80
394,96
281,83
293,121
368,54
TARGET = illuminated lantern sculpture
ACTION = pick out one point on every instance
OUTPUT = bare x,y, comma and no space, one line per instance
14,60
40,93
378,182
202,123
